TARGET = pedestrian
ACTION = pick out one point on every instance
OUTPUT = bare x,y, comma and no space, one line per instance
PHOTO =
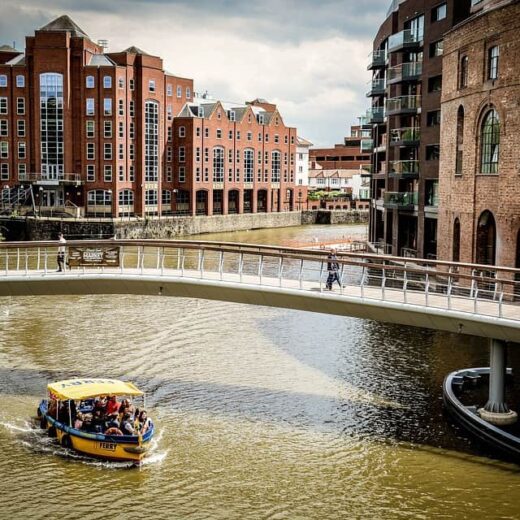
61,253
333,269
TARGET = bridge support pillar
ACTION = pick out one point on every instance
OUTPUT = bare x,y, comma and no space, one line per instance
496,410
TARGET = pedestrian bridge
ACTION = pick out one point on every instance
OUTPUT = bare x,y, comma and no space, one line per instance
454,297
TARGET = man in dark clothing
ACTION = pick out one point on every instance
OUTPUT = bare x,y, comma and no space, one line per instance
333,269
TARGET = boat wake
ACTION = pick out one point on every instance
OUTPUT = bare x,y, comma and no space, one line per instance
29,435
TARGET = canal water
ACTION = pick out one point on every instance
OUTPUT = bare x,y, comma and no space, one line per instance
261,413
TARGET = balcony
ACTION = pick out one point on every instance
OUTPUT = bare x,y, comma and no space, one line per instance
405,40
367,145
404,169
405,200
403,105
405,136
377,60
376,115
405,72
377,88
52,178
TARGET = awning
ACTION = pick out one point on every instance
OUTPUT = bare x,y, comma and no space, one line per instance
85,388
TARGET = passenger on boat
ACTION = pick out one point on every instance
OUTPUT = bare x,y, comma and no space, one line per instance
127,424
78,423
143,422
126,407
98,423
100,403
112,407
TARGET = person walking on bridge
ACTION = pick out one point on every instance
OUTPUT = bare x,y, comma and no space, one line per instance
61,253
333,269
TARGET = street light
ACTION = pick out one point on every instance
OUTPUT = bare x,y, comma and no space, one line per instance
40,189
174,200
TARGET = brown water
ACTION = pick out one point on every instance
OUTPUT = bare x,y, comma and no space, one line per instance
261,413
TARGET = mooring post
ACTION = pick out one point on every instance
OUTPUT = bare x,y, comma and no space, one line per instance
496,410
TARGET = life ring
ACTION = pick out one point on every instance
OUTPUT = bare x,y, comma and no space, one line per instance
66,442
114,431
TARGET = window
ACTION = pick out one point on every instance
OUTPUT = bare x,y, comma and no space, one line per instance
20,106
206,132
89,82
4,172
169,131
20,124
197,154
107,173
433,118
249,136
206,154
90,106
219,133
259,137
493,55
4,150
3,106
22,171
266,138
131,152
107,81
3,80
150,198
107,106
275,166
121,105
460,141
121,82
166,197
121,174
99,198
107,129
182,154
90,129
169,177
179,91
169,154
131,84
276,138
121,129
435,84
107,151
20,81
432,152
182,174
197,131
91,151
230,134
131,108
436,48
169,111
131,173
463,74
439,13
151,85
151,159
490,142
188,92
169,90
249,163
231,115
218,164
182,131
121,152
126,198
22,151
4,128
91,173
131,131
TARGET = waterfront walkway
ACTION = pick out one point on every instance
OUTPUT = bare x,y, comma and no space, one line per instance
461,298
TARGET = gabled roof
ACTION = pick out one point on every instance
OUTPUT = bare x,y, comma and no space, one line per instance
100,60
8,48
300,141
65,24
136,50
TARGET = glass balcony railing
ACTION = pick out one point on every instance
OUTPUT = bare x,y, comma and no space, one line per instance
405,136
377,59
408,104
377,88
404,168
405,72
367,145
401,199
404,39
375,115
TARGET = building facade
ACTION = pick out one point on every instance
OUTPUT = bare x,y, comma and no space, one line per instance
405,118
479,218
114,134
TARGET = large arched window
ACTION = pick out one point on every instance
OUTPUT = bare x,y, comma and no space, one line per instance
126,197
249,165
464,66
275,166
486,239
460,141
218,164
490,142
456,241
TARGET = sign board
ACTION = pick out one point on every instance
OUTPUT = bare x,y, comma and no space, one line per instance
93,256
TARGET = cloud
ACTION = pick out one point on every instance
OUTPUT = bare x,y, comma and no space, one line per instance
309,57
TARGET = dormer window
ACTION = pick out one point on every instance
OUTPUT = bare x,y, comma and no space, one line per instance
219,115
231,115
201,111
261,119
151,85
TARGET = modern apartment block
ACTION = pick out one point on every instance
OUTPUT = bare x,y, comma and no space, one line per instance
479,217
114,133
405,118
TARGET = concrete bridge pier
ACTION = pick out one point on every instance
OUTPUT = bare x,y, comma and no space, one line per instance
496,410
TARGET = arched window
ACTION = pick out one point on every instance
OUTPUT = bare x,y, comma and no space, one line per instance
486,239
218,164
456,241
490,142
463,77
126,197
460,141
275,166
90,82
249,165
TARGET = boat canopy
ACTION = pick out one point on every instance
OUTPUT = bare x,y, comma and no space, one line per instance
86,388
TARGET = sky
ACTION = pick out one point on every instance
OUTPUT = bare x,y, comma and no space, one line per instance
307,56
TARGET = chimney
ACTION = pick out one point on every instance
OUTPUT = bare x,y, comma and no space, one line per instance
103,44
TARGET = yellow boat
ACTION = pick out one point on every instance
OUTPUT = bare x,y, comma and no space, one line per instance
57,416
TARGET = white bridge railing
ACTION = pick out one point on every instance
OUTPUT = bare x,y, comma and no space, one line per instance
476,289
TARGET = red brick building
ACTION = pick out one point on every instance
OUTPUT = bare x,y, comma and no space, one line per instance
479,209
115,134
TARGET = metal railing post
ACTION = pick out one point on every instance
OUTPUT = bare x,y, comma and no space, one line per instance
38,259
201,259
240,265
183,255
383,283
362,286
261,268
301,274
162,261
122,260
341,278
321,276
280,271
17,259
26,262
475,302
405,284
500,308
221,264
427,289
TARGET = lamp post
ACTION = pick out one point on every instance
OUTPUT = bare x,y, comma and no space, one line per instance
40,189
111,203
174,200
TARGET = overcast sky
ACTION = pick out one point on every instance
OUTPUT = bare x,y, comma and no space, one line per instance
308,56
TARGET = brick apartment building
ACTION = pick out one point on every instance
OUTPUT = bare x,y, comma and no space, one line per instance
115,134
479,212
405,117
